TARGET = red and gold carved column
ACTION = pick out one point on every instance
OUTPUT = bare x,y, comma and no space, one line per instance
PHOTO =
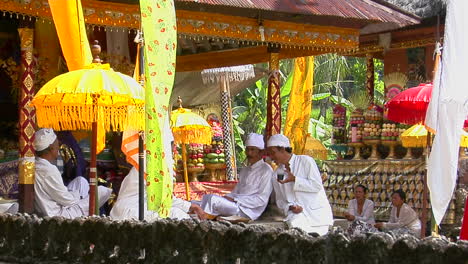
370,77
26,122
273,125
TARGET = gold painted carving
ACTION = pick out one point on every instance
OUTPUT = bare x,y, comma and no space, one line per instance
200,24
26,172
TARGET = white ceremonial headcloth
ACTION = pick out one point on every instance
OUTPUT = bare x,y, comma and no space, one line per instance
278,140
43,138
255,140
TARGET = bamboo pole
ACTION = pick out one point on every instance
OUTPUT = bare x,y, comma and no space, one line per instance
141,179
184,159
93,171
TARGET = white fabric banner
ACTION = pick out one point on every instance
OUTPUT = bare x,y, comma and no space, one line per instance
448,109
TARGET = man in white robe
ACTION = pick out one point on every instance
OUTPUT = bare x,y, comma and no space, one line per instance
52,197
126,206
300,194
251,194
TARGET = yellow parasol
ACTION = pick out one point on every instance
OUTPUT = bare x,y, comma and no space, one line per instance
315,148
86,98
416,136
188,127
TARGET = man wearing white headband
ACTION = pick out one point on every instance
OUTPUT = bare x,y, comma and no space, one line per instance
52,197
298,188
251,194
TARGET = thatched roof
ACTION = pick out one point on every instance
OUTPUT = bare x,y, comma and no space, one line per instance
422,8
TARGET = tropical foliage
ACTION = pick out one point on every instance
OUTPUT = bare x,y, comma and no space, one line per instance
336,80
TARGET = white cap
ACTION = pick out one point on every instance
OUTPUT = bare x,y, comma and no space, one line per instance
255,140
43,138
278,140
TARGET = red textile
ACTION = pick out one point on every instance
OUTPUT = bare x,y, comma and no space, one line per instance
464,228
198,189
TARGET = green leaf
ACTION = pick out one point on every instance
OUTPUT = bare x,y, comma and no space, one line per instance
286,88
320,96
341,101
259,84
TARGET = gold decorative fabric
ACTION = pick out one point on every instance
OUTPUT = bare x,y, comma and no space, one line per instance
300,104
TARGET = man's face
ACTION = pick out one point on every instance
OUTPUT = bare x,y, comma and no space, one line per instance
278,155
54,149
253,154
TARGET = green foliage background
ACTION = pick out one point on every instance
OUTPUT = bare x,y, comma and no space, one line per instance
336,78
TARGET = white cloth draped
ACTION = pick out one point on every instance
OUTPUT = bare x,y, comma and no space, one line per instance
9,208
367,214
448,109
53,198
126,206
117,46
308,192
251,194
408,218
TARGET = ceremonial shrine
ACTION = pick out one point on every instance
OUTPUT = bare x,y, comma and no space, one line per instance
216,52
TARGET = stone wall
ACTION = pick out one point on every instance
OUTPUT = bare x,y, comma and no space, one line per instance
28,239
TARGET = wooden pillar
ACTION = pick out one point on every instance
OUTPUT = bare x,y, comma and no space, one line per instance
273,125
370,76
27,117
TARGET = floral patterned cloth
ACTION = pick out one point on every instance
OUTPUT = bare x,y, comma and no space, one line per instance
160,35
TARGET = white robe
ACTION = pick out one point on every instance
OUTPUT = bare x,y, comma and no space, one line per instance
306,191
126,206
53,198
250,195
367,214
408,219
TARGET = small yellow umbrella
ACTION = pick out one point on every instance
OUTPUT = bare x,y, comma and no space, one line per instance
87,98
188,127
416,137
315,148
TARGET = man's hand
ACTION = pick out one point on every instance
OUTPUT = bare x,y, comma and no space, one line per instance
349,216
379,225
290,178
229,198
196,209
295,209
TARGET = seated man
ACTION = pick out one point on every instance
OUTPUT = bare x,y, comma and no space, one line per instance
298,188
126,206
250,196
52,197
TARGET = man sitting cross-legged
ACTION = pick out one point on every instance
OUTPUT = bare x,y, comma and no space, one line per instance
250,196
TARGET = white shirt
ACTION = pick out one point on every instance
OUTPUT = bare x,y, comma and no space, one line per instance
253,190
52,198
126,206
306,191
408,218
367,214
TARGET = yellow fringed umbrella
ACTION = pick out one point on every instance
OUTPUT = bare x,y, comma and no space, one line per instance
315,148
87,98
188,127
416,137
74,100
